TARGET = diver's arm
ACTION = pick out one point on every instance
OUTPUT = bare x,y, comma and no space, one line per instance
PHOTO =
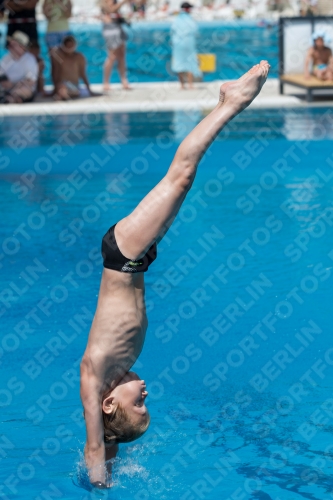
111,451
94,451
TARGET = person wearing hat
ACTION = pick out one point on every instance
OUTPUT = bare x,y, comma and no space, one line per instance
18,71
184,54
21,16
320,56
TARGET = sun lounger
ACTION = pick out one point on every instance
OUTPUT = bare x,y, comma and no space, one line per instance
310,84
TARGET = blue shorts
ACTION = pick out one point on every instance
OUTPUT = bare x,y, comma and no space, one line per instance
55,39
321,67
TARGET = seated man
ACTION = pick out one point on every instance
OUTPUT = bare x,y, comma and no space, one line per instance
321,58
68,67
18,71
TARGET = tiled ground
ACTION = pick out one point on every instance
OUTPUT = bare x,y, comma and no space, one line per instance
159,97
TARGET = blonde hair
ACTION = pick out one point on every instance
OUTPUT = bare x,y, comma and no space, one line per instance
119,428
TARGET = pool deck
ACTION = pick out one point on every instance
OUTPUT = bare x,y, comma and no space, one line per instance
163,96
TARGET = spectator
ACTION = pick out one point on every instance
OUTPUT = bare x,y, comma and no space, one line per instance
165,6
18,71
184,55
22,16
69,68
320,56
57,13
309,8
278,5
139,7
35,51
115,38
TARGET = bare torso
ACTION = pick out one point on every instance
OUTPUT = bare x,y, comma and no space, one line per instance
70,66
321,56
118,330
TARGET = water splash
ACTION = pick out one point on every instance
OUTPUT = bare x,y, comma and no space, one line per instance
124,468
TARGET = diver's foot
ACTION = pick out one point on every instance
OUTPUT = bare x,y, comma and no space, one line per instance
239,94
106,88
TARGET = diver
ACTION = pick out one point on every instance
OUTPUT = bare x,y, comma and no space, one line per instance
113,397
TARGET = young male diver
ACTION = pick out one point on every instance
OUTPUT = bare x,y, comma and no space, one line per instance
113,397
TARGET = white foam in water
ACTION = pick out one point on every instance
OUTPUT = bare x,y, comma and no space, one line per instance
124,468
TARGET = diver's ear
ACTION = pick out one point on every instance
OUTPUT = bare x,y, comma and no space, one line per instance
108,404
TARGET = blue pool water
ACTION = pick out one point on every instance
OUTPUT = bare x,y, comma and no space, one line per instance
239,356
237,45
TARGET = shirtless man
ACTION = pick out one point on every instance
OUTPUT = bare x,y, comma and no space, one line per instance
321,58
68,66
113,397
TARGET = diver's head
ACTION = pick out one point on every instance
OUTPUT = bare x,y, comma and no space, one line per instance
125,414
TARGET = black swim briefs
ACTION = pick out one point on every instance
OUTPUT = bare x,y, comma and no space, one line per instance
114,259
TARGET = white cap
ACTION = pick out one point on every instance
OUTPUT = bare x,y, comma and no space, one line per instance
321,34
20,38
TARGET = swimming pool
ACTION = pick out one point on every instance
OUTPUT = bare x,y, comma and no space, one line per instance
238,46
239,356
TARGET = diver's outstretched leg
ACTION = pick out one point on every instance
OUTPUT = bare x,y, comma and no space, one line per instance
151,218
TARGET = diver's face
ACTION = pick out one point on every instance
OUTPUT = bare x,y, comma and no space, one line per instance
319,43
131,393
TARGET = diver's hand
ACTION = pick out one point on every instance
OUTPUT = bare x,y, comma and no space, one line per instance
99,485
95,462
